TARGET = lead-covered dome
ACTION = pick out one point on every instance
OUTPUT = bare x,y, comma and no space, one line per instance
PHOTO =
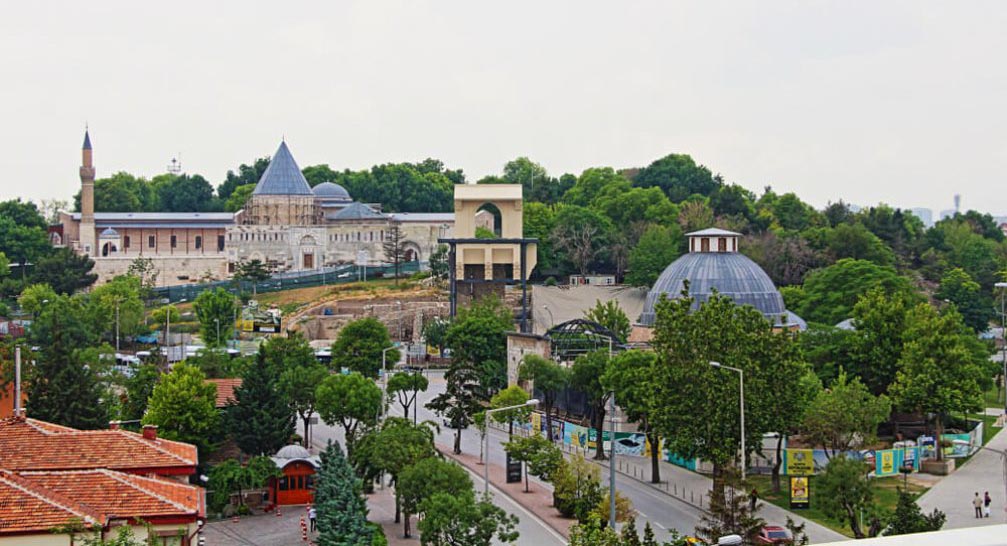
293,451
331,192
714,263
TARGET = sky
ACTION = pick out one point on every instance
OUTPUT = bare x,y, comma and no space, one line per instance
895,102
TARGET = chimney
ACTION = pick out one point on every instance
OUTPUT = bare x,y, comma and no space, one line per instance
150,432
113,425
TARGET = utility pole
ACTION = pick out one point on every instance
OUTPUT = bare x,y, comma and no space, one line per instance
117,326
611,462
17,381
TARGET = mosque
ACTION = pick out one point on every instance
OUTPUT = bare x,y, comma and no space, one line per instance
286,224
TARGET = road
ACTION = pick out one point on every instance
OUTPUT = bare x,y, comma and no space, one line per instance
662,512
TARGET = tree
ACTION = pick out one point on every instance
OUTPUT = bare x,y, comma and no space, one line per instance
875,347
405,387
588,371
463,521
215,311
239,198
511,396
119,305
439,266
541,457
360,345
435,333
678,176
844,492
729,513
629,375
139,387
392,448
185,193
34,297
62,386
462,398
857,242
351,400
786,258
145,270
182,405
582,235
657,248
342,509
832,292
908,518
253,271
695,215
299,385
426,478
958,288
844,416
577,489
65,271
165,315
591,183
549,378
246,175
611,316
393,248
937,374
477,337
260,419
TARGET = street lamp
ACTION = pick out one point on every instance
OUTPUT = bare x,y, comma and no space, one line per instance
1003,337
486,439
117,325
741,378
551,319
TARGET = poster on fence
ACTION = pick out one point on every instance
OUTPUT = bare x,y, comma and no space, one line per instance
884,462
630,443
536,423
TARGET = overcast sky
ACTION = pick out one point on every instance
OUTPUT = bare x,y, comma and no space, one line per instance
901,102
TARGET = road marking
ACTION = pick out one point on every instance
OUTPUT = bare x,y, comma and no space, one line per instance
661,526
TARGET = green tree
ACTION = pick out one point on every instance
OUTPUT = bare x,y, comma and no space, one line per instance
462,398
844,492
253,271
908,518
629,375
874,349
139,388
958,288
611,316
119,301
535,181
342,509
299,385
539,221
426,478
832,292
857,242
730,513
476,337
393,248
541,457
260,420
439,266
239,198
182,405
230,476
145,270
65,271
185,193
352,400
844,416
405,387
550,379
435,333
937,374
34,297
577,488
678,176
359,346
463,521
215,311
792,213
246,175
511,396
392,448
284,353
588,371
658,247
591,183
581,236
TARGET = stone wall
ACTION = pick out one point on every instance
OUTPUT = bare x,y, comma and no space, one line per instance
171,270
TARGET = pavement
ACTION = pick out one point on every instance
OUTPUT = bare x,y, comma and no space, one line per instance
258,530
985,471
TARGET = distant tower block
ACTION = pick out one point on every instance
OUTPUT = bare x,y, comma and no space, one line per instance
480,267
958,203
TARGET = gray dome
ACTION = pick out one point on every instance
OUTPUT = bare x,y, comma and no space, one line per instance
293,451
330,191
730,273
282,176
109,232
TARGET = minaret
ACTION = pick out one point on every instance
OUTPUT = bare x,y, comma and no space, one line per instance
87,229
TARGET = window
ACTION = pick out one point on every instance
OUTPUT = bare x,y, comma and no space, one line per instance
284,486
199,242
174,241
150,241
220,243
125,242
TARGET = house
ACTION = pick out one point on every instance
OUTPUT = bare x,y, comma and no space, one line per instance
225,390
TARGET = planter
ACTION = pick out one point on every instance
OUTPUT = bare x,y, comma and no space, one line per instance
938,468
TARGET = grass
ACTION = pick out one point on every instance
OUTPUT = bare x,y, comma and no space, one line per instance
885,496
994,397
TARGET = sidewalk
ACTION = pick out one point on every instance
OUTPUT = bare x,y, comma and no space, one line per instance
984,472
381,508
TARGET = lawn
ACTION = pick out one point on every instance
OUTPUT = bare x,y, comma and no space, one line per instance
994,398
885,495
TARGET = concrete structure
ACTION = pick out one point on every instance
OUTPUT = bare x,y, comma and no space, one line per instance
286,224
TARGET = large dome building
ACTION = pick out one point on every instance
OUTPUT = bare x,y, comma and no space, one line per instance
714,263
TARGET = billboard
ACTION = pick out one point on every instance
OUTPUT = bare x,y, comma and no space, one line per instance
799,462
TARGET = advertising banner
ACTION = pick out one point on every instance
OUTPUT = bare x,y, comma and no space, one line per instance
800,492
536,422
799,462
886,463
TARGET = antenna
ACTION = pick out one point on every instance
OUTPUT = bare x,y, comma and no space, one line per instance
175,166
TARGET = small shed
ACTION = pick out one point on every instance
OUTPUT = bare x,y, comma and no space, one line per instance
297,485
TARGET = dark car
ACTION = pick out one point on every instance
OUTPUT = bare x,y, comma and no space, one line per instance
774,534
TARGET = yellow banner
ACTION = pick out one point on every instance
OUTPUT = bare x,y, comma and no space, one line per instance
536,423
800,462
798,489
887,461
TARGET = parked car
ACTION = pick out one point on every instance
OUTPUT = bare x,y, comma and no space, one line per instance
774,534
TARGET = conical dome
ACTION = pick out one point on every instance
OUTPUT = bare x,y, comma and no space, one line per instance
282,176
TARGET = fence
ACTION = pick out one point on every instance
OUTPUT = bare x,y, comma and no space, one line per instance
286,281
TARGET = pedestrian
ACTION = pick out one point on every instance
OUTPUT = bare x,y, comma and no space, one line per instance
977,503
312,515
753,497
986,504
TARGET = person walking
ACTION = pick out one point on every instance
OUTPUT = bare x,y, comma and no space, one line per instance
313,515
986,504
977,503
753,498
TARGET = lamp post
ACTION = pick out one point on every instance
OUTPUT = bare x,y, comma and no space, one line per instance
486,439
1003,338
551,319
117,326
741,378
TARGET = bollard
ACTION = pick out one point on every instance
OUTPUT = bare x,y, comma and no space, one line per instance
278,510
235,519
692,497
676,489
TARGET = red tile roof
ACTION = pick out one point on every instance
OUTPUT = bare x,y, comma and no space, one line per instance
225,390
29,444
38,501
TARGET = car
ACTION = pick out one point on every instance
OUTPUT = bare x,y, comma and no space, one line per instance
774,534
